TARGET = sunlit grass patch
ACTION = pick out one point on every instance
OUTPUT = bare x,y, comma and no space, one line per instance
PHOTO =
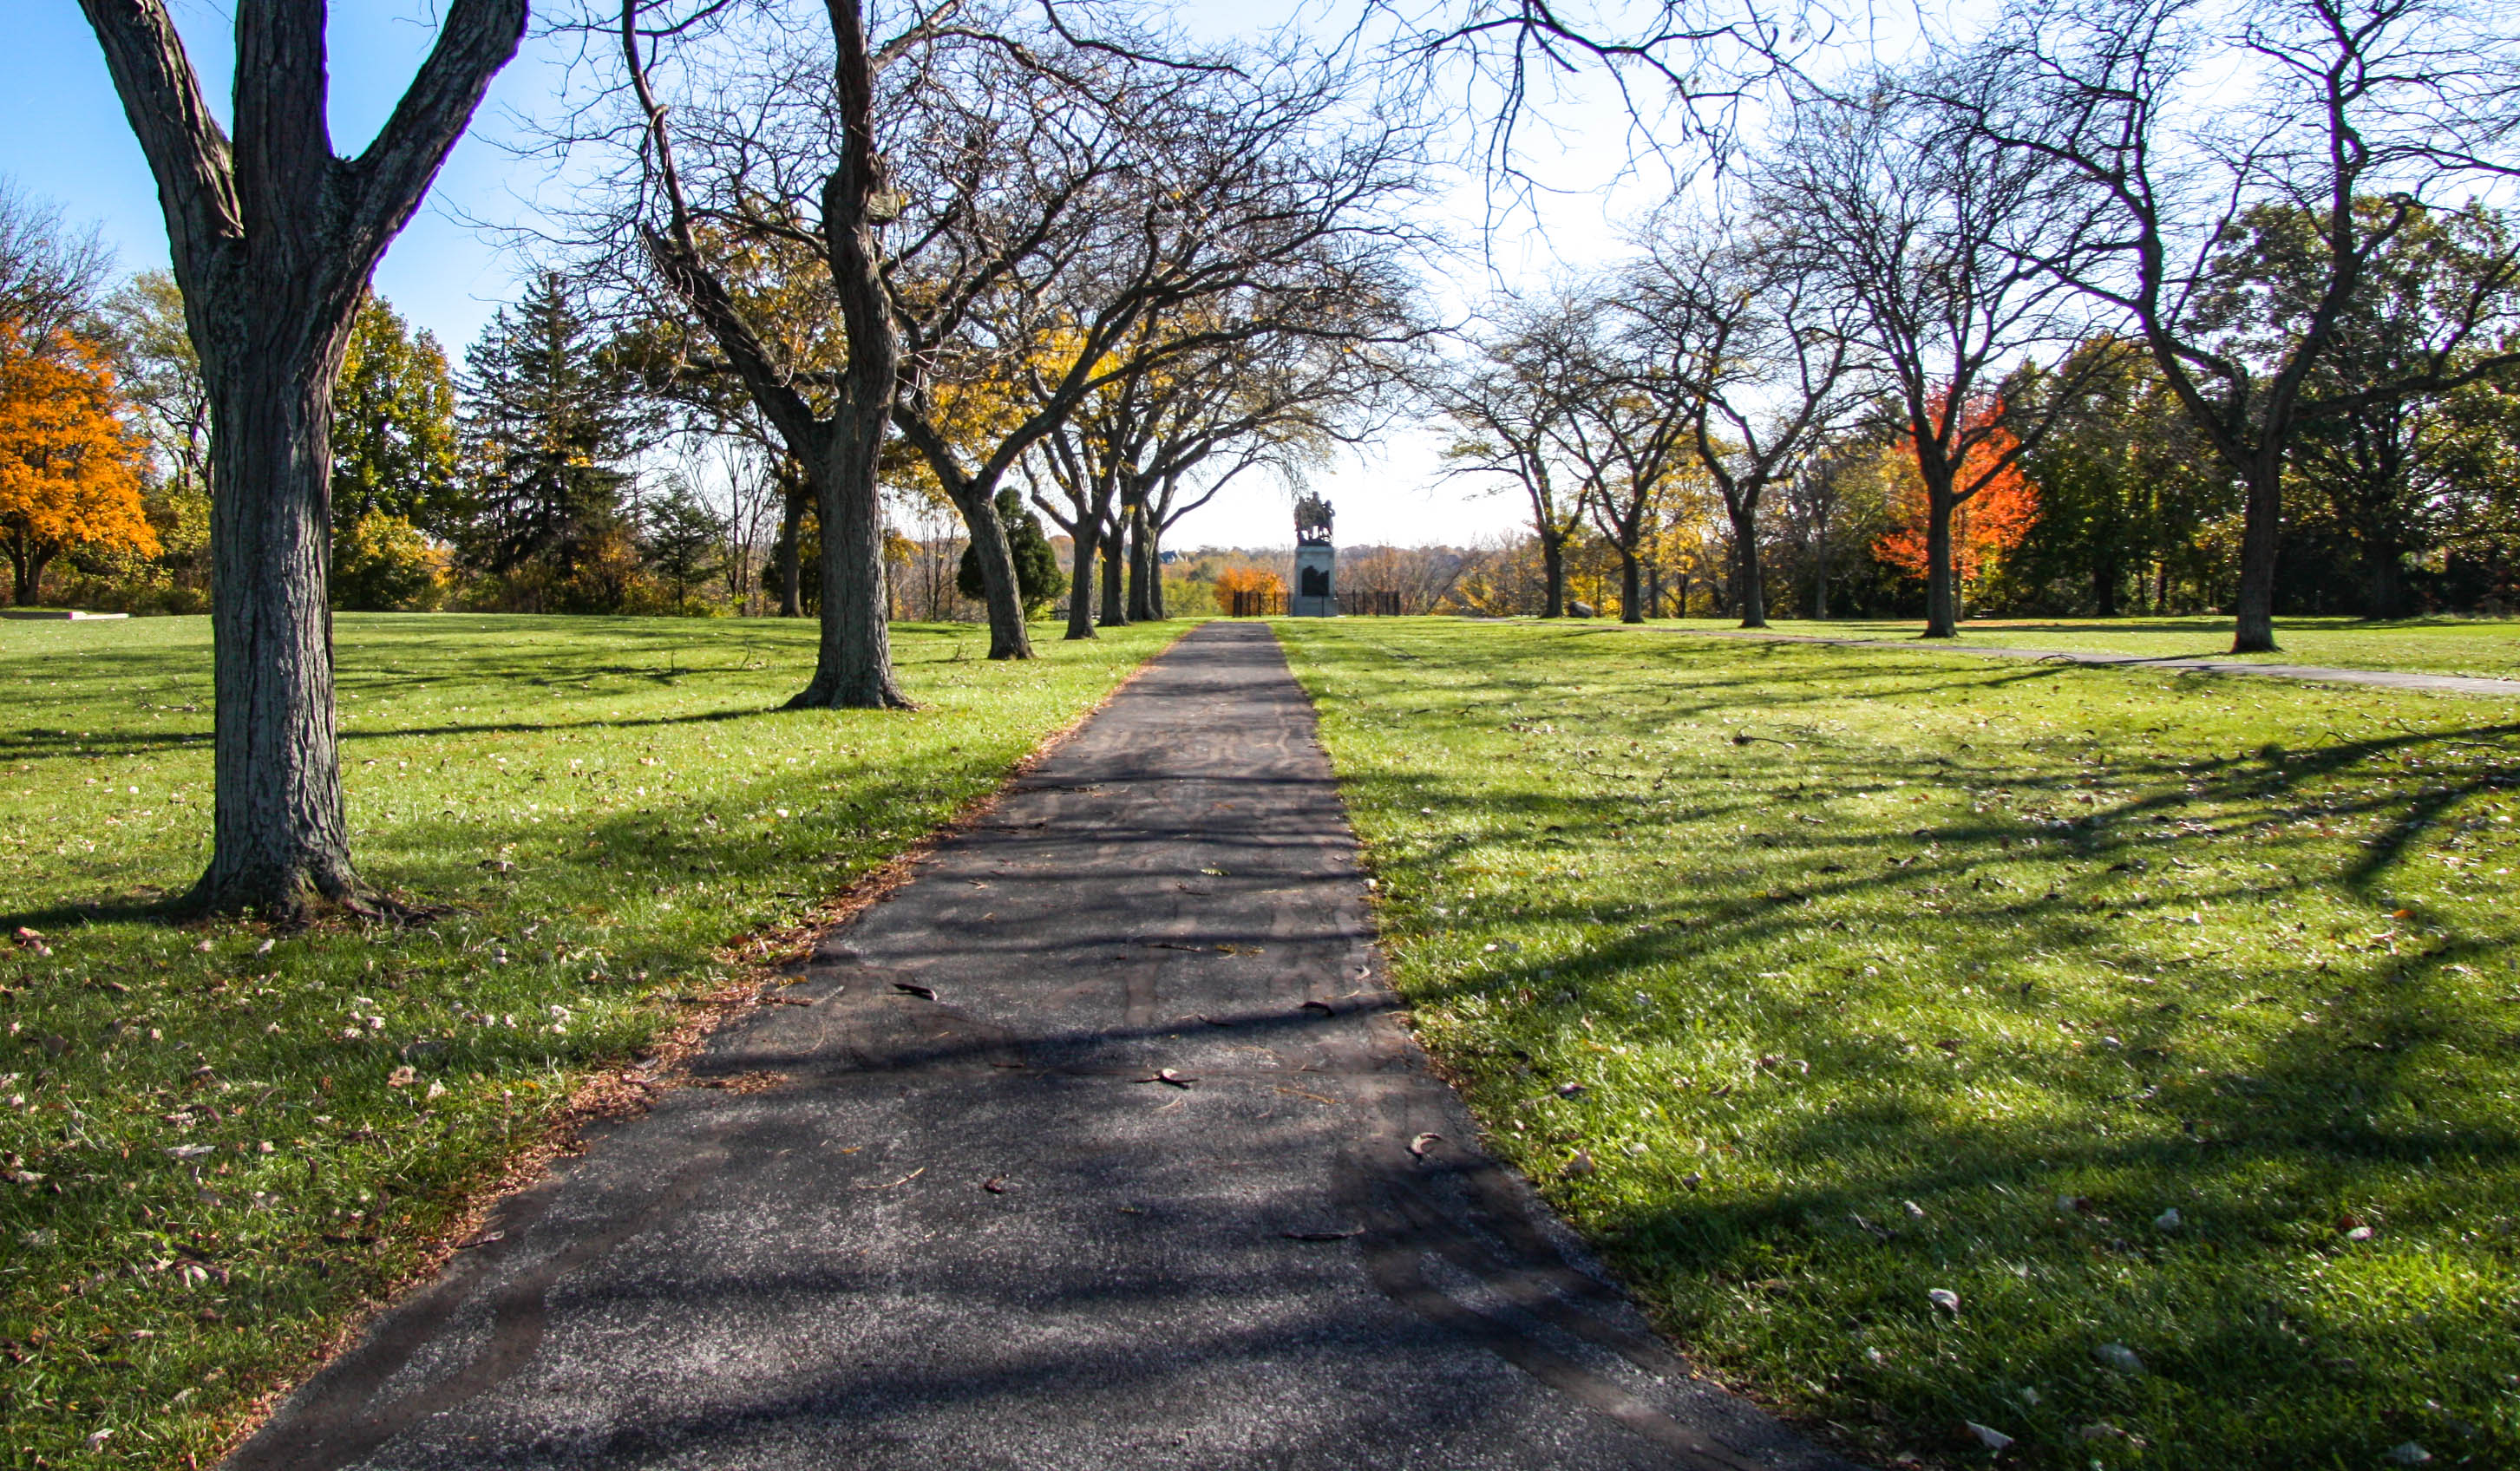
1812,981
219,1140
2482,647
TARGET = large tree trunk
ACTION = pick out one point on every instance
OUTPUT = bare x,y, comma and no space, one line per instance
1008,638
1080,581
1552,578
1942,602
280,836
1752,578
272,238
796,496
853,658
2252,629
1632,587
1142,607
1115,614
1820,576
2105,588
27,560
1155,570
2385,585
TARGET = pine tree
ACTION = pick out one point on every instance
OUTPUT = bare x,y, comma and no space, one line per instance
550,417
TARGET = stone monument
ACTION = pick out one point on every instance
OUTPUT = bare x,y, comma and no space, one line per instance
1313,595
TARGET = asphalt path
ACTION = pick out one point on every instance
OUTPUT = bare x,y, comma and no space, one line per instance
2385,679
1098,1145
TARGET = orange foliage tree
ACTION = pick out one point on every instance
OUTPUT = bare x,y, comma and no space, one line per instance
69,468
1995,512
1235,580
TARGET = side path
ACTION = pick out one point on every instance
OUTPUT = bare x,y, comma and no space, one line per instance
1098,1145
2386,679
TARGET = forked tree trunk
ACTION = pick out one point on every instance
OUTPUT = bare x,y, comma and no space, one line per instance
853,657
273,238
1552,578
27,561
1631,588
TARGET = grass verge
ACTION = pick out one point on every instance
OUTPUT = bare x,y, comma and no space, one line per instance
219,1142
2170,1024
2484,647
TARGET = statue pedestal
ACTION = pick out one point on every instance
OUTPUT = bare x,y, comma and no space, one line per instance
1313,595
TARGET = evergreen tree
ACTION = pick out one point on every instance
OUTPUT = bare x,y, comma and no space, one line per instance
1037,575
550,418
683,542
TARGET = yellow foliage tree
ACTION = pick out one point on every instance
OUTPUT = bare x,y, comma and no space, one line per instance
69,468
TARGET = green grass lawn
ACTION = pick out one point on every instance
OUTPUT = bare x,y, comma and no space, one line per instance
219,1142
2490,648
2165,1016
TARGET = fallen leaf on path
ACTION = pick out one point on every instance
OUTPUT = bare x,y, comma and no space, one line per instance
484,1238
1323,1007
923,992
896,1183
1169,1078
1422,1143
995,1185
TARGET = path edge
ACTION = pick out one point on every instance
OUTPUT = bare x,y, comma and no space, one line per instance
611,1095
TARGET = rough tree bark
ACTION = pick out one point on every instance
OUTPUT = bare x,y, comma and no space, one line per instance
273,238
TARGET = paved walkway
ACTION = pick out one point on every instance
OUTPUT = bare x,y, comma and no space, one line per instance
2386,679
1093,1149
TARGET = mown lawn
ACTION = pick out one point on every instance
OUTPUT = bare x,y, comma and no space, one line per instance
2170,1024
218,1141
2488,647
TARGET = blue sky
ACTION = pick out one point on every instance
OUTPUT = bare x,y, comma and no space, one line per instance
64,140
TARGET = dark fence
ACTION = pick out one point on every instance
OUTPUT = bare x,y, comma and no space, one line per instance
1372,604
1256,604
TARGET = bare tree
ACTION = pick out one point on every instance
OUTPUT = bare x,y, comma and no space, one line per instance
1504,402
1763,347
791,161
1624,423
50,276
1946,245
1113,260
2363,116
273,238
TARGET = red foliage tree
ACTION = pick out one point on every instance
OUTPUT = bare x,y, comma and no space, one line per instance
1988,524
